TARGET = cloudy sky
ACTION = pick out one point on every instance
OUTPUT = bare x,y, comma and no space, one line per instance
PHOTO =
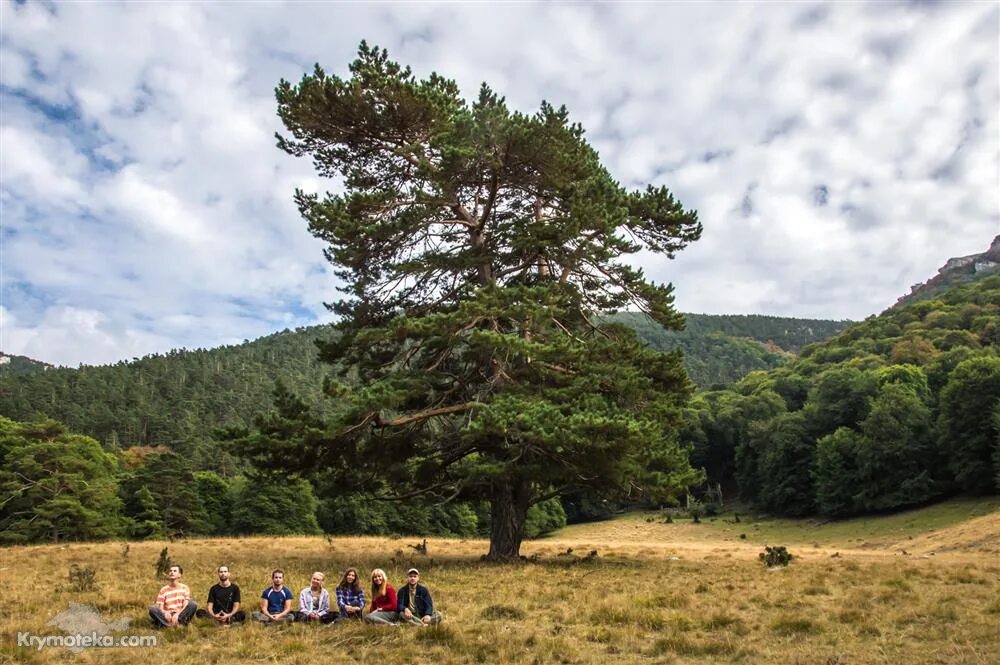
837,153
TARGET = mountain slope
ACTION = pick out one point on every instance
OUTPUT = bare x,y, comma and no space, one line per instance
897,410
178,398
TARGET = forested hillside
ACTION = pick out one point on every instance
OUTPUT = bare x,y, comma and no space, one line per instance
719,349
897,410
177,399
143,436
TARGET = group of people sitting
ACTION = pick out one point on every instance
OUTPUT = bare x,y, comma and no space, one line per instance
412,604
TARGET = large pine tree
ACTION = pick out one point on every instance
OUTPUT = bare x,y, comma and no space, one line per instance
478,248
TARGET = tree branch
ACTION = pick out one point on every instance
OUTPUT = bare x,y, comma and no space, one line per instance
424,415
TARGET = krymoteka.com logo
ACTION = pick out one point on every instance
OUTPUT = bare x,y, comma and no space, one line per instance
83,628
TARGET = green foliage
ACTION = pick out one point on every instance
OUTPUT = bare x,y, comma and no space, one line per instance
55,486
996,450
544,518
775,556
164,487
216,499
272,504
896,458
835,473
357,514
146,520
584,506
839,397
897,410
784,449
729,444
967,428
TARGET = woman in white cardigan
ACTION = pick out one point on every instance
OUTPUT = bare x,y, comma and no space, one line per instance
314,602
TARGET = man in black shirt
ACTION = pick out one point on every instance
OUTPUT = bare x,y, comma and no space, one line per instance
224,600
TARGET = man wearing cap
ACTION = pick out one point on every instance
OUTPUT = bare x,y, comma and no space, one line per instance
414,602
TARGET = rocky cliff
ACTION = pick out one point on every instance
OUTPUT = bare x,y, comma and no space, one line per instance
960,270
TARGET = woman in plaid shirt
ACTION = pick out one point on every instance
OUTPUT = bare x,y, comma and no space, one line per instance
350,595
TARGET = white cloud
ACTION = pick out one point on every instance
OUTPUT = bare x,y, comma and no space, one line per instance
143,200
62,329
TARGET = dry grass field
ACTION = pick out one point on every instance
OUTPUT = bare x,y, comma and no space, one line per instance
654,593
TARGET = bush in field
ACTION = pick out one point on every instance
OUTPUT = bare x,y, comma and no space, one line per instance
775,556
81,579
502,612
163,563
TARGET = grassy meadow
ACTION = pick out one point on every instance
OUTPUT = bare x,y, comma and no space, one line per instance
654,593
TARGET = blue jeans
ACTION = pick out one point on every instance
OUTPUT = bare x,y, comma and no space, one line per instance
160,620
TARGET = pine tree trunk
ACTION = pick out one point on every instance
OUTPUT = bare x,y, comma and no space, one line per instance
508,511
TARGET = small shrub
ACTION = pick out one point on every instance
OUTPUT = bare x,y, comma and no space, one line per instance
696,510
680,623
790,625
683,646
616,616
944,613
672,600
849,616
966,577
897,583
775,556
495,612
720,620
163,563
82,579
602,636
441,635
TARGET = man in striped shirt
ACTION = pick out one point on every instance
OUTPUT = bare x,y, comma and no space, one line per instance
174,606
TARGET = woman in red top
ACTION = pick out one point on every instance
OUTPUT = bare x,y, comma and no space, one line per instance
383,600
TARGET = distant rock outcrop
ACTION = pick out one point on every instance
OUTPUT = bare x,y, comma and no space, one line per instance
955,272
10,364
